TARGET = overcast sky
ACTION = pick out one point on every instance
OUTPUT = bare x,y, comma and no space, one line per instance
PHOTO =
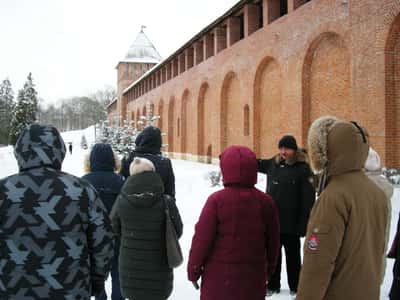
72,46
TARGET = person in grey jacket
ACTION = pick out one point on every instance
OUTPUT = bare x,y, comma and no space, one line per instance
373,170
56,240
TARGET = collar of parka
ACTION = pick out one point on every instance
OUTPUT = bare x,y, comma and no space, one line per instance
299,156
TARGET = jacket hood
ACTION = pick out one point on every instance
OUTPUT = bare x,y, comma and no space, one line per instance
239,166
149,140
336,146
102,158
140,165
39,145
143,189
88,168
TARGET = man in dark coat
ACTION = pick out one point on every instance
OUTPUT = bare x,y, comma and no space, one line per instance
138,217
236,242
148,145
289,182
395,254
55,236
102,164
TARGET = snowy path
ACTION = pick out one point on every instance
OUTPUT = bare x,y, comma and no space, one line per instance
192,191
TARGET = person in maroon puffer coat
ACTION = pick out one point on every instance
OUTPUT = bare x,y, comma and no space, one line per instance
236,243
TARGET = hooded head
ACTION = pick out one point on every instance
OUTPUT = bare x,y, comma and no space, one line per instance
144,187
239,166
39,145
373,162
337,146
102,158
149,140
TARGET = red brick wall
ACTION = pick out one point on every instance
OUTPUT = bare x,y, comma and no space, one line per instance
326,80
269,111
393,94
232,112
325,57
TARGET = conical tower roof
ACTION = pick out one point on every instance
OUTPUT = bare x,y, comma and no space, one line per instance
142,51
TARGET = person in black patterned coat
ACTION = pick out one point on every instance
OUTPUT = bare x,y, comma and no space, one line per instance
56,240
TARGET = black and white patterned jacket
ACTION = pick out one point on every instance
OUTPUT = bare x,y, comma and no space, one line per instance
55,236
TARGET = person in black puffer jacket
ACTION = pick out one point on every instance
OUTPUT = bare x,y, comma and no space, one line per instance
290,183
138,217
101,166
148,145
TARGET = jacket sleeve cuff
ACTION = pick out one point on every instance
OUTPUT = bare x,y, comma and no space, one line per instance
194,275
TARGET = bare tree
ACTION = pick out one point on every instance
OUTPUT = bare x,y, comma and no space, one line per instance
104,95
74,113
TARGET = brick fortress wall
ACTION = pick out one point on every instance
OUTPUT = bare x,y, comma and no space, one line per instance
270,68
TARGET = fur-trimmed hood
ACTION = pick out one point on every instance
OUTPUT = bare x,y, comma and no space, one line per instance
337,146
101,158
300,156
140,165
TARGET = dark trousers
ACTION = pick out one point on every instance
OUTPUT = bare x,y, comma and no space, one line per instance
395,289
291,244
116,289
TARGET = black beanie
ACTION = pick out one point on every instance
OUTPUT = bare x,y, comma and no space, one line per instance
288,141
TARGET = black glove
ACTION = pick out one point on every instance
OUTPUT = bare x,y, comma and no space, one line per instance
196,285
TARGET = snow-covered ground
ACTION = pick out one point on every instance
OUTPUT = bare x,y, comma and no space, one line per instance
192,191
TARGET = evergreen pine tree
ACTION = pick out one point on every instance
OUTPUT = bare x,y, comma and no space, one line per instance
6,107
32,100
25,111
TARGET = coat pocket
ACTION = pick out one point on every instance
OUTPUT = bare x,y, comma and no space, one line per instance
320,229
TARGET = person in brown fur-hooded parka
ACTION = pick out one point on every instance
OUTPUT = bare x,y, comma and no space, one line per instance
345,238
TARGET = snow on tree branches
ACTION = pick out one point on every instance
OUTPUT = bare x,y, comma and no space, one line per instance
6,107
122,138
25,110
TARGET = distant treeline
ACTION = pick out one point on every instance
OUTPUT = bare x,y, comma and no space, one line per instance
77,112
